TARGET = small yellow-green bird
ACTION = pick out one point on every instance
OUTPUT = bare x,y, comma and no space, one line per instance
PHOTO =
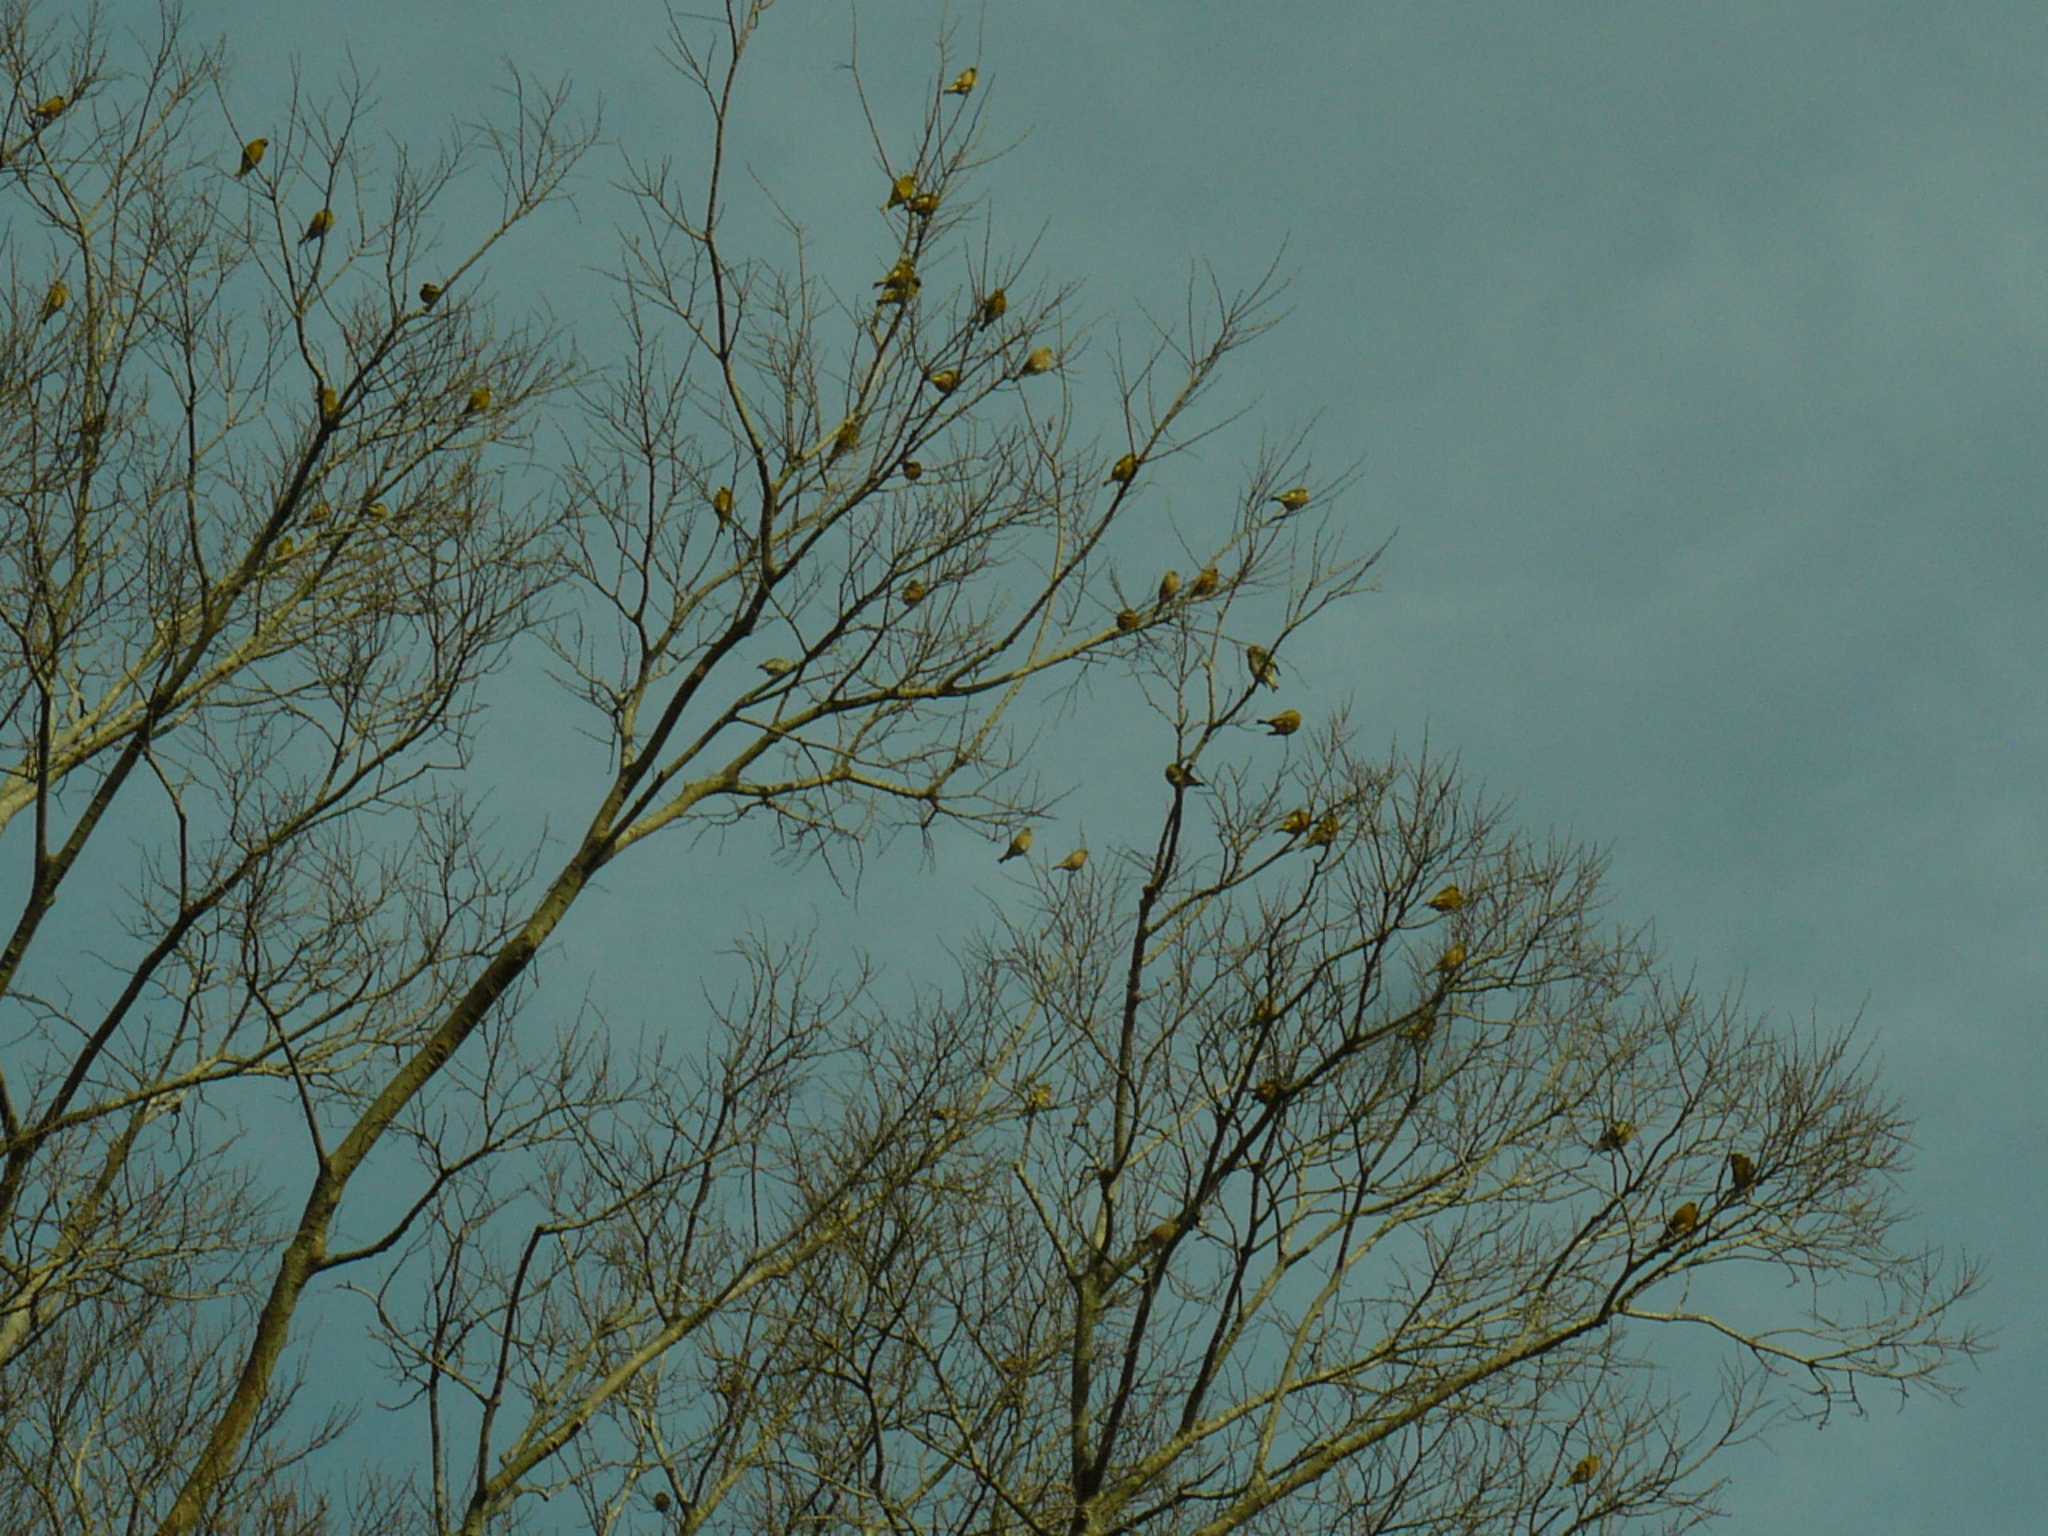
901,190
913,592
429,292
1619,1133
1452,959
1326,832
721,503
252,156
944,380
1271,1090
1073,861
847,438
320,513
1019,846
778,666
1038,1096
54,300
286,548
1125,472
379,512
1169,587
994,307
1297,821
1741,1172
330,403
1583,1471
1180,776
318,225
1286,723
1128,619
52,106
1165,1232
1682,1222
1292,501
900,292
963,82
924,205
479,399
1264,668
912,470
1206,583
1040,360
901,273
1449,899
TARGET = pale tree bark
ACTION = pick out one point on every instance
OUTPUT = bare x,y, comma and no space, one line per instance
1230,1184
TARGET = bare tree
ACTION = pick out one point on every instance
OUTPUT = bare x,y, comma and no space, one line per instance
1308,1157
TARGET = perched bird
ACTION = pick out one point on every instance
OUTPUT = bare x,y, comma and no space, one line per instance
252,156
994,307
1326,832
286,548
901,190
721,503
1271,1091
1037,1097
1264,668
1292,501
1682,1222
479,399
925,204
1019,846
1180,776
320,513
963,82
54,300
912,470
1040,360
903,272
1169,587
330,403
1165,1232
51,107
378,512
913,592
1451,959
1582,1471
778,666
944,380
1741,1172
1619,1133
1073,861
1207,582
847,438
429,292
1449,899
900,292
318,225
661,1502
1286,723
1125,472
1296,822
1128,619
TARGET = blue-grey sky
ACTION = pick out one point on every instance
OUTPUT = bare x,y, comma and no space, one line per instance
1694,354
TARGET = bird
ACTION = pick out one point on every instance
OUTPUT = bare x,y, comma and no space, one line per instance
1286,723
1326,832
661,1503
1019,846
1128,619
286,548
778,666
912,470
330,403
1271,1091
378,512
1741,1172
847,438
944,380
51,107
924,205
994,307
1682,1221
913,592
901,190
1073,861
54,300
900,292
721,503
1125,472
903,272
1451,959
1297,821
1038,1096
1040,360
1292,501
1449,899
1619,1133
1165,1232
429,292
479,399
1169,587
1264,668
1180,776
1582,1471
252,156
320,513
963,83
1207,582
318,225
